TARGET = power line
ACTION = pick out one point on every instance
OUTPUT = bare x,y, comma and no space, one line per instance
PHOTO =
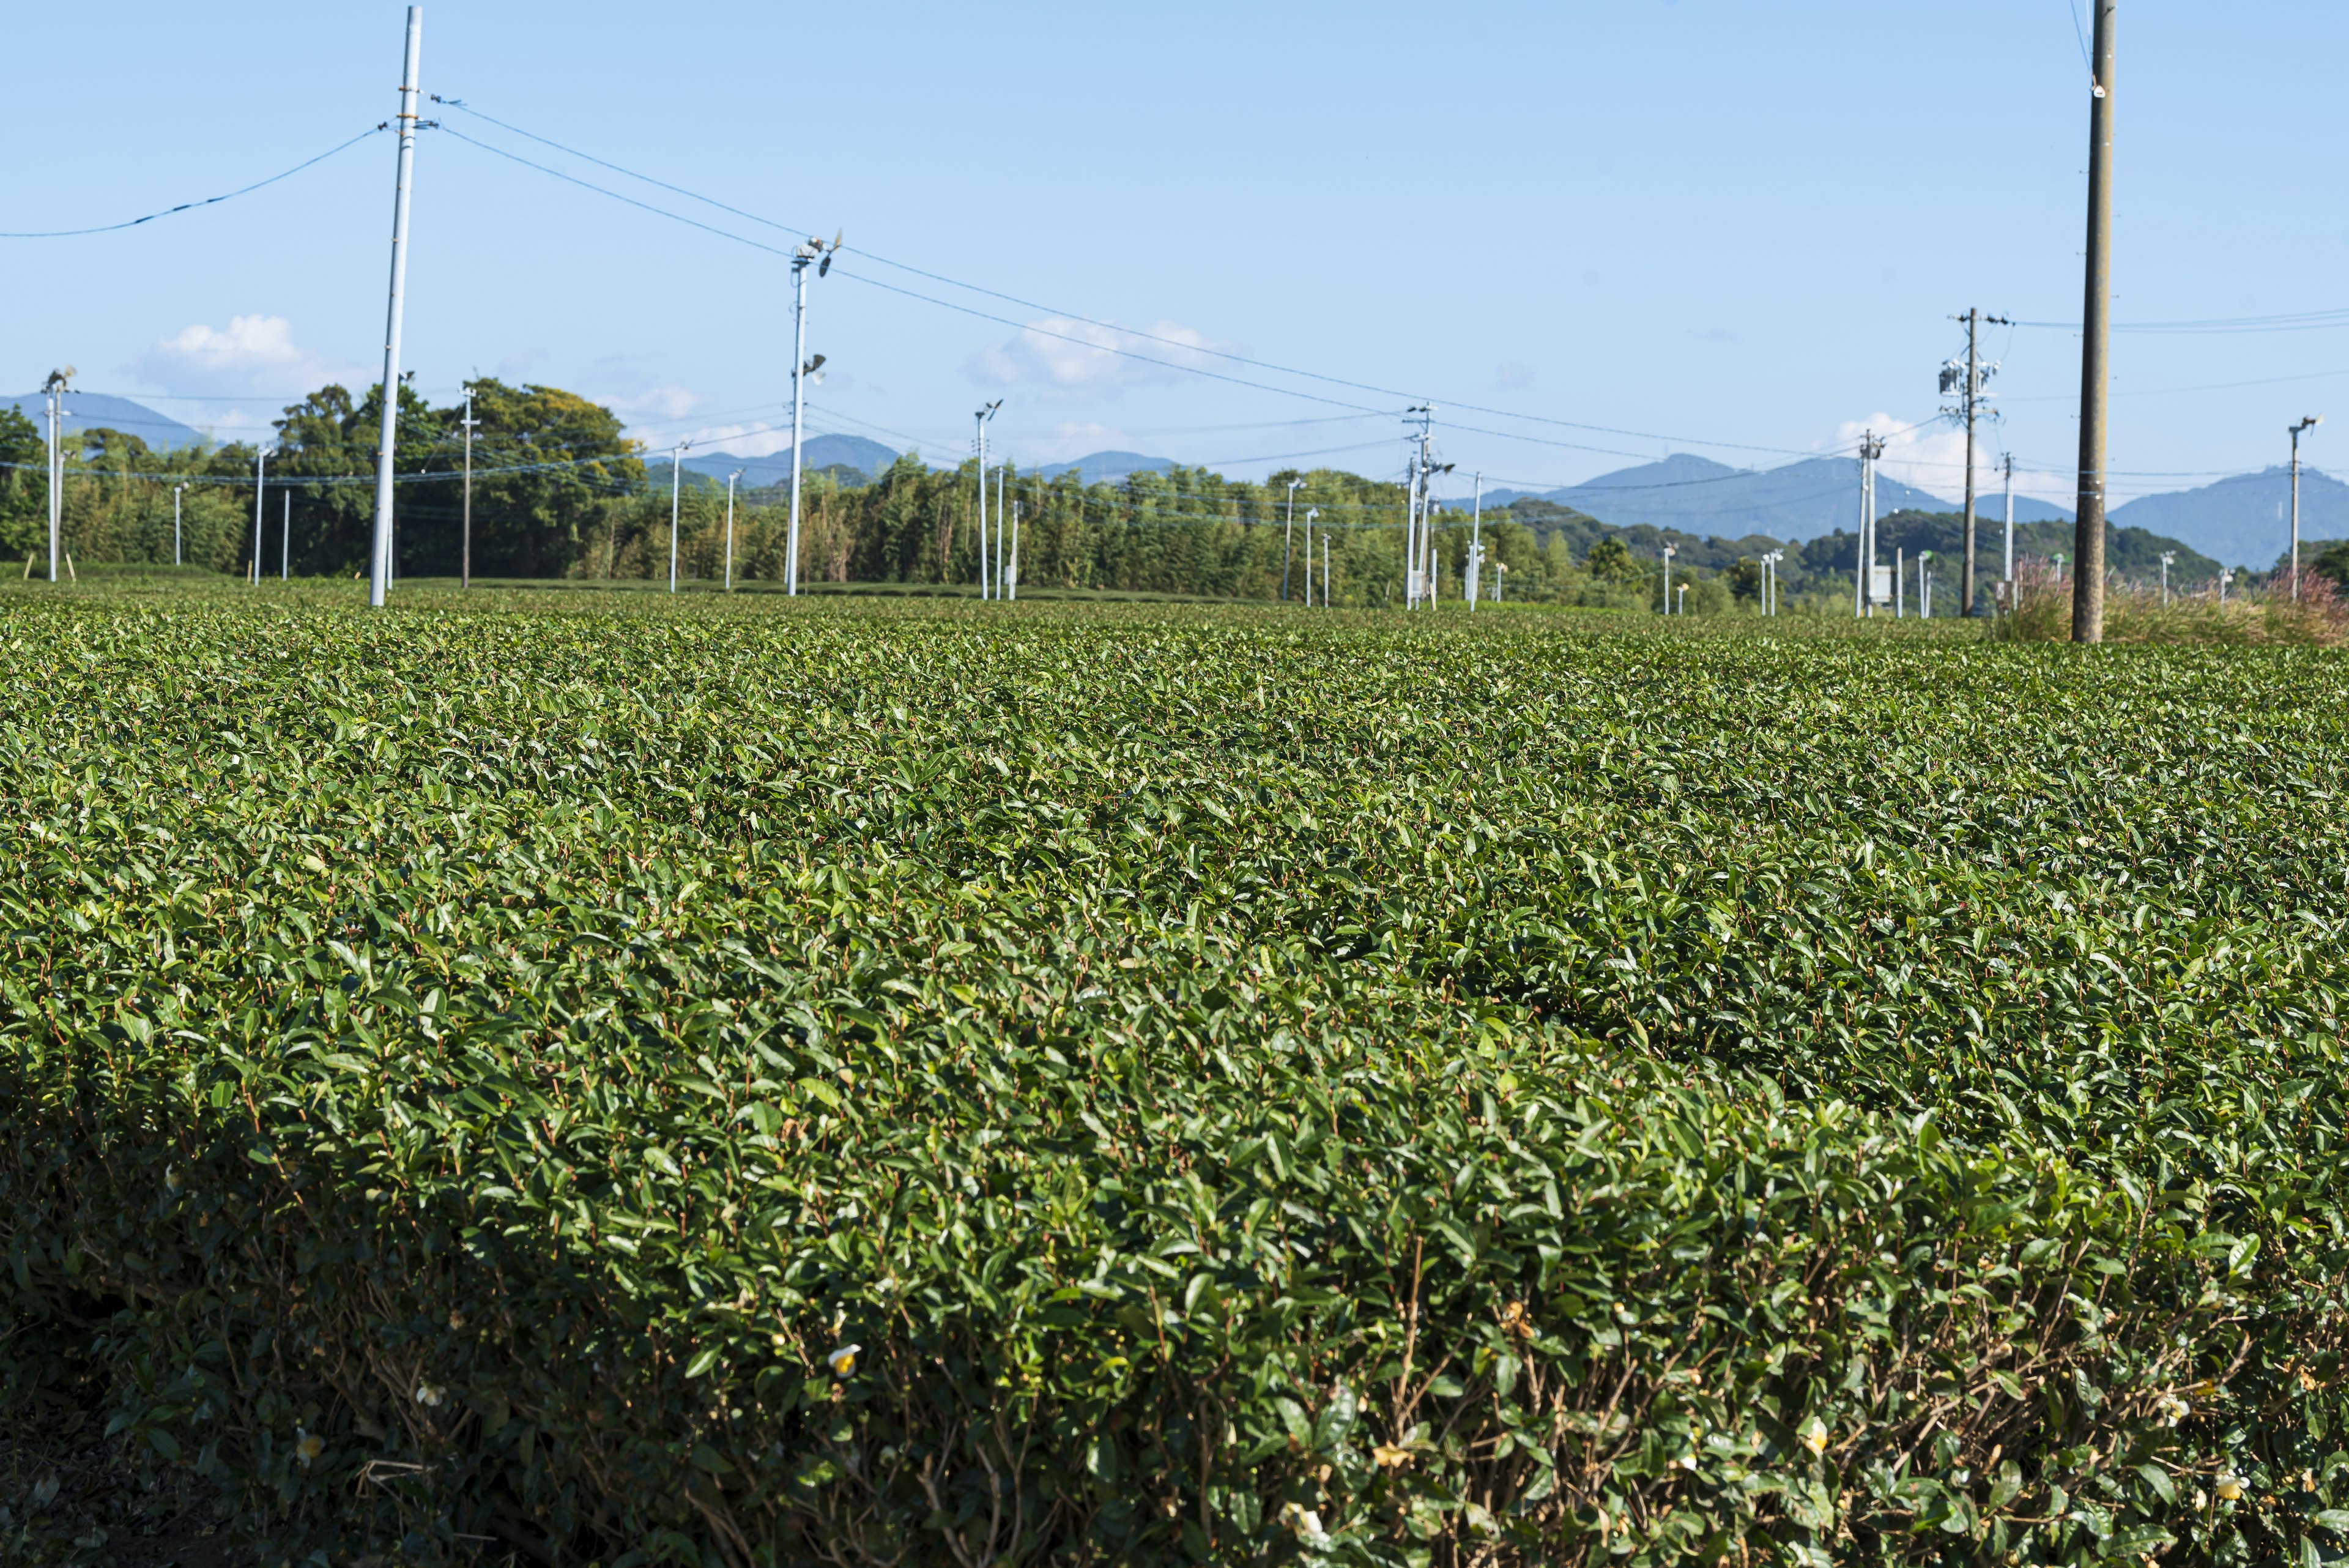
191,206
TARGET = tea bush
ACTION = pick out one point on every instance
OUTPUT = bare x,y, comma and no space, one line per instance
815,1083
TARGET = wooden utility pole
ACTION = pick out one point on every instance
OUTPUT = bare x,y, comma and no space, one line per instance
2089,529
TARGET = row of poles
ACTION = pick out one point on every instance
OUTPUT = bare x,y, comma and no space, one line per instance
816,252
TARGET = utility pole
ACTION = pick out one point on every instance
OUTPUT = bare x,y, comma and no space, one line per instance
2310,422
1864,593
55,388
729,528
379,564
1669,550
998,528
2008,575
1288,533
465,558
2096,329
2167,558
286,536
676,480
1976,376
176,559
1417,531
803,369
982,416
1012,581
1311,513
1475,542
260,482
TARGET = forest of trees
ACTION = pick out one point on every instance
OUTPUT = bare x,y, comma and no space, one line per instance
560,491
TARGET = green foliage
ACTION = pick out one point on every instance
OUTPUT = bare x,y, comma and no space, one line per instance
1253,1088
2333,561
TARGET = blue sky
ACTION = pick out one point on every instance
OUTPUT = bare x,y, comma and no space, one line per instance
1735,229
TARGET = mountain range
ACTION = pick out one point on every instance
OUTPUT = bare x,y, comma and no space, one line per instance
867,457
2241,519
100,410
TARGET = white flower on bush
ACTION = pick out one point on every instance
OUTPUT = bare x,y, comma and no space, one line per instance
1306,1526
2171,1409
843,1361
2231,1488
430,1395
1814,1436
309,1447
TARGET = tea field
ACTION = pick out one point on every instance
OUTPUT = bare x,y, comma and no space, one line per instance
583,1082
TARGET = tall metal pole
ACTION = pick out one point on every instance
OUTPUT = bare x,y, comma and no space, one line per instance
799,385
980,418
1475,541
676,482
1011,578
176,559
998,527
1288,535
2089,529
285,536
260,482
2309,423
465,558
1973,384
729,528
379,566
1311,513
2008,575
56,473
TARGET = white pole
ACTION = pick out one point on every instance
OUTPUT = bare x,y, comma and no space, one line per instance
799,384
998,527
982,506
465,553
56,476
175,525
1325,568
1860,548
286,536
1668,579
2010,524
260,484
1475,542
676,479
380,572
729,528
1899,591
1011,582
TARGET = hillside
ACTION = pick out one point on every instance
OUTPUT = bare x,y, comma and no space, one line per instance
2245,518
101,411
1795,502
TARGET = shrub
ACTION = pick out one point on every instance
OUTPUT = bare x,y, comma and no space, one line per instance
1495,1093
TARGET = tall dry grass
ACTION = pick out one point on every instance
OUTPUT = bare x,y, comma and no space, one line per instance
2266,616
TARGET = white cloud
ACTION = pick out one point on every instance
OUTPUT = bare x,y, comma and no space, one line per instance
1932,458
1074,439
254,355
667,402
1078,357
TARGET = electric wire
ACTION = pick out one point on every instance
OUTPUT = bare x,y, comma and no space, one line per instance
191,206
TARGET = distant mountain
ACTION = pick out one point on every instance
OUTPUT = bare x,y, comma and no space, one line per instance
1107,465
2245,520
867,457
99,410
1798,501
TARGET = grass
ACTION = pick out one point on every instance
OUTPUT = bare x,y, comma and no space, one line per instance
1249,1085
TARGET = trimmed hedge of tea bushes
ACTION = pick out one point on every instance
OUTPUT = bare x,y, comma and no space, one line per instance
843,1085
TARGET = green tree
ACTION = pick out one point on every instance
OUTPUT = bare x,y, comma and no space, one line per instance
23,485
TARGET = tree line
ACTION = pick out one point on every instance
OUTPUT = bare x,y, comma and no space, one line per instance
560,490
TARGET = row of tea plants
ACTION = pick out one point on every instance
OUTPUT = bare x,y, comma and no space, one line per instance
813,1085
